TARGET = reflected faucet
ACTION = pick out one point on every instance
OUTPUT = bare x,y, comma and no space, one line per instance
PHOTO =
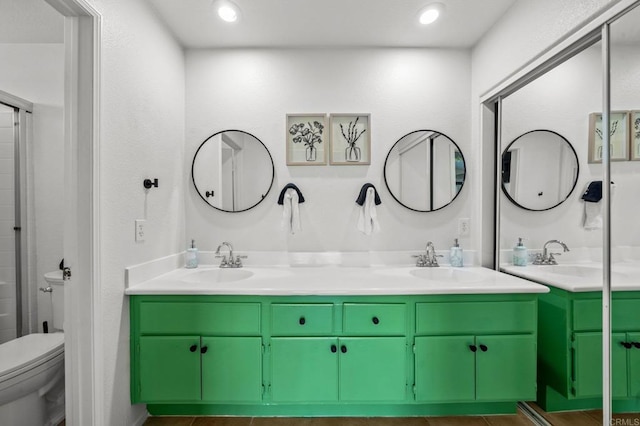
547,258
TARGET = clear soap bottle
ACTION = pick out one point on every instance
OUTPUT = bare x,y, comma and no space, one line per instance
455,254
191,257
520,254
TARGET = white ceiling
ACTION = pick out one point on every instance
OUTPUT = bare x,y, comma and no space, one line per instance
320,23
30,21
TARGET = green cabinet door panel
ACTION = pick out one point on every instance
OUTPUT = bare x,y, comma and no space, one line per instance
373,369
634,365
506,368
169,370
444,369
232,369
587,367
304,369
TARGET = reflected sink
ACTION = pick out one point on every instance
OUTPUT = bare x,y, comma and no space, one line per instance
578,271
218,275
437,274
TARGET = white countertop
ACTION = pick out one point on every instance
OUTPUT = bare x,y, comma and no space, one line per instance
333,280
580,276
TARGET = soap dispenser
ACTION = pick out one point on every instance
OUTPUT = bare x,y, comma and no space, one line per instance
455,254
191,257
520,255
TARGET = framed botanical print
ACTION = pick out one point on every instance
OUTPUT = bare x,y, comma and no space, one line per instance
634,135
350,139
307,140
618,136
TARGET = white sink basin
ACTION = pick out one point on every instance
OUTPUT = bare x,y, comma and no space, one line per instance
217,275
446,274
582,271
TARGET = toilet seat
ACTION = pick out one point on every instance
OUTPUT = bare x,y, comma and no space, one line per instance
28,352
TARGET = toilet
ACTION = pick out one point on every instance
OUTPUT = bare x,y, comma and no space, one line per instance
32,370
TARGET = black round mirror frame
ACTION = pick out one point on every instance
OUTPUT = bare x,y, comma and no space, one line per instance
273,171
464,176
575,181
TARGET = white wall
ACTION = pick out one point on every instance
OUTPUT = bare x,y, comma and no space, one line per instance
35,72
141,136
253,89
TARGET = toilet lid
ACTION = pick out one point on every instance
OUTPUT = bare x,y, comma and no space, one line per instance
29,351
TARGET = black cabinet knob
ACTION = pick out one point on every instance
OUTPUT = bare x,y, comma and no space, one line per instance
334,348
636,344
302,321
203,350
483,348
627,345
375,320
193,348
473,348
343,349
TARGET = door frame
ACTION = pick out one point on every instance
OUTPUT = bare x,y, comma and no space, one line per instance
83,344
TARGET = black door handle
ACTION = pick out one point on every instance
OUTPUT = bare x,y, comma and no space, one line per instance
636,344
343,349
203,350
193,348
473,348
627,345
334,348
375,320
483,348
302,321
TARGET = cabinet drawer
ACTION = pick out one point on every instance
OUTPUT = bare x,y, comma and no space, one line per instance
475,317
587,314
199,318
374,319
303,319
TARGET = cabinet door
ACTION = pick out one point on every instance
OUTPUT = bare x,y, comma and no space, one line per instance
232,369
634,365
373,368
587,364
506,368
304,369
169,368
444,368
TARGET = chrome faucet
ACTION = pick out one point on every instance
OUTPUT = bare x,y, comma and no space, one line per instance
547,258
231,262
429,258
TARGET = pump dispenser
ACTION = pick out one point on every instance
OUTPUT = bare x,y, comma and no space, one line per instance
520,254
455,254
191,257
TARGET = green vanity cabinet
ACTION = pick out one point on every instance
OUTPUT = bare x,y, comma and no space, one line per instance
570,350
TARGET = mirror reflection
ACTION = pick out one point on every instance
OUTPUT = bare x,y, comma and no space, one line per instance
539,170
424,170
232,171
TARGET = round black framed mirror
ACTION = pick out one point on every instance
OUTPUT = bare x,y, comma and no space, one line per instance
232,171
424,170
539,170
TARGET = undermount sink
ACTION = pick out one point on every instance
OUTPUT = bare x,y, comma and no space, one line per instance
218,275
445,274
577,271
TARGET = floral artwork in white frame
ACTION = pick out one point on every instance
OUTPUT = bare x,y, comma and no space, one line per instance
634,136
618,136
350,139
307,139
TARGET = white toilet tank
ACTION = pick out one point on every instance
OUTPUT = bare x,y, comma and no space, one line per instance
54,279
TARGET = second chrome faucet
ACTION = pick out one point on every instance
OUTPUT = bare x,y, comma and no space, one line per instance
429,258
547,258
230,262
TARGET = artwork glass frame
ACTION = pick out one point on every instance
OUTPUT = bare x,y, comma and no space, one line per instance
634,135
307,139
618,134
350,136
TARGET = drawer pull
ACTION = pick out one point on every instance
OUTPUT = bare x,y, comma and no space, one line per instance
193,348
334,348
203,350
483,348
636,344
375,320
627,345
302,321
473,348
343,349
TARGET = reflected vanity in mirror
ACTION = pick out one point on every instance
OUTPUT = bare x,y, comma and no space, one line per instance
539,170
232,171
424,170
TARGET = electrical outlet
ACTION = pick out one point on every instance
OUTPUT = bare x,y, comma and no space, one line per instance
140,229
463,227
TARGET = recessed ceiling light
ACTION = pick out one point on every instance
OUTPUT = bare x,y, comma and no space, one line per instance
430,13
227,10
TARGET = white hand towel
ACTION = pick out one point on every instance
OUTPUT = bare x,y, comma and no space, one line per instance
368,219
290,211
592,215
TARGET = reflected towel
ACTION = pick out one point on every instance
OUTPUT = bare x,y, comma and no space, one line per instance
368,219
290,211
593,215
